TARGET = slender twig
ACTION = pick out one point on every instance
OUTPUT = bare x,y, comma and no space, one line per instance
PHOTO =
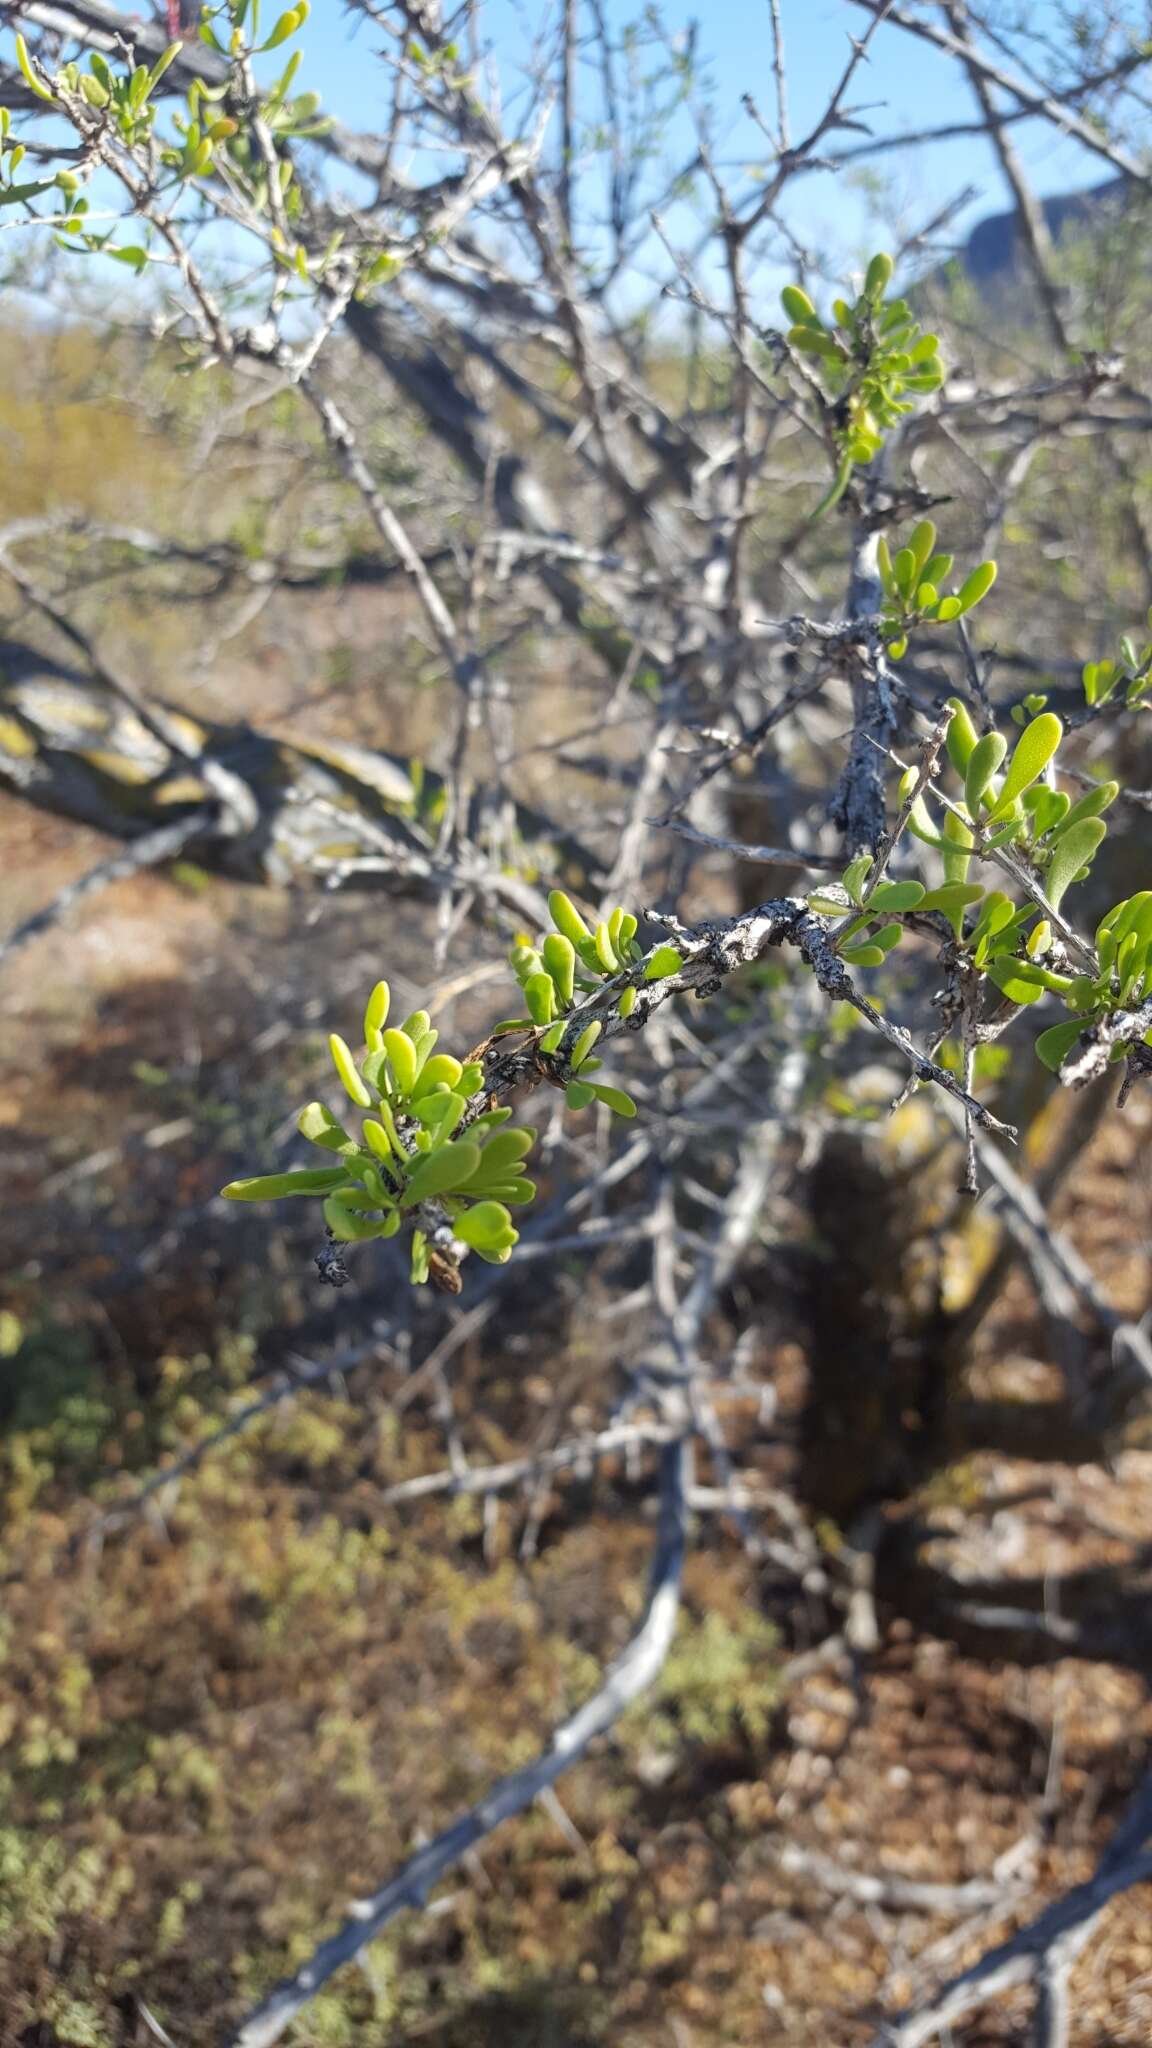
1046,1945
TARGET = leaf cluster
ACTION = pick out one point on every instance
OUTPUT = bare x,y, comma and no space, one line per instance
408,1152
1133,673
873,360
1008,803
912,580
574,960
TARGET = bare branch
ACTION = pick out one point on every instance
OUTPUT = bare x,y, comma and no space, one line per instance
1043,1951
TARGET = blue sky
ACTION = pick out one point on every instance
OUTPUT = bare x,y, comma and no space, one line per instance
904,86
909,85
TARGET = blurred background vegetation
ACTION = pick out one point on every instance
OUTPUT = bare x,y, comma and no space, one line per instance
227,1713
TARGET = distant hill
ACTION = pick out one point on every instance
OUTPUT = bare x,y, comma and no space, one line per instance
994,249
994,259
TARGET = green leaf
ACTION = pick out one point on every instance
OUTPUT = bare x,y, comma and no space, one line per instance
286,26
579,1094
997,913
1011,979
1007,936
351,1226
504,1149
627,1003
280,89
134,258
374,1067
486,1226
373,1181
958,838
317,1123
1073,852
269,1187
424,1042
439,1113
836,489
952,901
402,1060
1130,965
1010,826
525,960
540,996
897,896
567,918
952,897
864,956
664,961
584,1043
30,77
1124,916
929,378
1054,1045
1034,749
920,823
378,1139
1139,919
1100,680
884,564
560,962
798,306
1090,805
922,540
165,58
376,1015
615,1098
441,1071
983,763
1046,807
604,952
854,876
514,1190
878,276
490,1120
442,1171
904,571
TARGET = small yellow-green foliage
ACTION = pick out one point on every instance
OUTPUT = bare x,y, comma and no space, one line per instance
719,1685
